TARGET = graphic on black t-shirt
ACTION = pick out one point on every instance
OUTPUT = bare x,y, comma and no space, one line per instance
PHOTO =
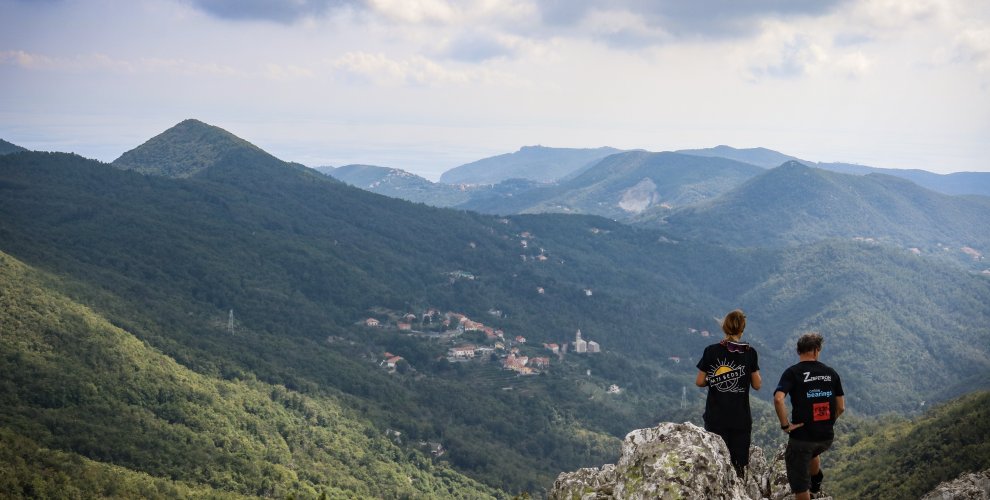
725,375
821,411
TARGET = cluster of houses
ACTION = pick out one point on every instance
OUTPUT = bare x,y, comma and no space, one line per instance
432,319
525,365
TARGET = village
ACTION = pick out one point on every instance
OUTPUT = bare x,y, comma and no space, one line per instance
488,344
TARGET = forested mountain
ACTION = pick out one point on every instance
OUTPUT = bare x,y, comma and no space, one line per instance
898,458
536,163
7,148
958,183
795,203
398,183
257,274
627,186
188,148
75,385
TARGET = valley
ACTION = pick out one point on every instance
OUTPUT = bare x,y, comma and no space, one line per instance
418,341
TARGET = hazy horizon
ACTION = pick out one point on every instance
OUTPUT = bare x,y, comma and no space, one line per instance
428,85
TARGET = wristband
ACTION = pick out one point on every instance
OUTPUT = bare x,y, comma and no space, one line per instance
785,426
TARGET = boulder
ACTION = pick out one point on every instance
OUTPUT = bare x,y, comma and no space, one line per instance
676,461
974,486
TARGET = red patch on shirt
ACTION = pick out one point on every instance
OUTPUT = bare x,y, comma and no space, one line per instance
821,411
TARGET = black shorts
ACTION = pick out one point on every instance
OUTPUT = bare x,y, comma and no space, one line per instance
797,458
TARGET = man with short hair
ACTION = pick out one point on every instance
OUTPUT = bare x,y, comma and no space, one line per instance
817,401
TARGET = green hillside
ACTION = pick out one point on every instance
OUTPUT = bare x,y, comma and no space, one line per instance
627,186
795,204
75,383
958,183
904,459
167,259
186,149
883,313
303,260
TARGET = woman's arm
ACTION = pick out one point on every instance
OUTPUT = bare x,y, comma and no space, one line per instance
702,379
756,380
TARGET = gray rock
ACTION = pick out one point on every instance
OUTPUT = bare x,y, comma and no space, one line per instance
677,461
975,486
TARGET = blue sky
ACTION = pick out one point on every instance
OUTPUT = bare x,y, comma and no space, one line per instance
427,85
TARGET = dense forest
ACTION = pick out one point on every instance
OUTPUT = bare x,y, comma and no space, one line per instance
218,317
898,458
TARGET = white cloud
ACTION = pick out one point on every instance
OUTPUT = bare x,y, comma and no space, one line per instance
98,62
385,71
853,64
415,11
287,72
973,46
622,28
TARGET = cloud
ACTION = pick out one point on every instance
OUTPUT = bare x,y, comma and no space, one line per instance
98,62
794,58
663,20
625,23
479,45
382,70
284,12
973,47
622,28
476,46
414,11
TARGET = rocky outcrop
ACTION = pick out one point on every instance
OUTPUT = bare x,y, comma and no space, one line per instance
676,461
975,486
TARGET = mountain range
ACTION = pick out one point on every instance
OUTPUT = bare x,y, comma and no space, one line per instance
537,163
795,203
209,302
957,183
553,186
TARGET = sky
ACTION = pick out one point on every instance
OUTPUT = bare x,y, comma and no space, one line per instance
427,85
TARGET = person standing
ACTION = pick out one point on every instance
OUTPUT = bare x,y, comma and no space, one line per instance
729,368
817,400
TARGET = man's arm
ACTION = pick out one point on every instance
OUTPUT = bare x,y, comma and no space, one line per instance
778,404
756,380
840,405
781,408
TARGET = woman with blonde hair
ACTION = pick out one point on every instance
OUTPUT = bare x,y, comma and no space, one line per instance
729,368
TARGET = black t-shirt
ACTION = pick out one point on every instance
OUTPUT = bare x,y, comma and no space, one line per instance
729,373
813,387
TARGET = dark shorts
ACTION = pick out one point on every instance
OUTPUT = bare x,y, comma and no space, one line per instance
797,458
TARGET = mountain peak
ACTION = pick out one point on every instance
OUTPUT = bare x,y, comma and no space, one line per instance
761,157
186,149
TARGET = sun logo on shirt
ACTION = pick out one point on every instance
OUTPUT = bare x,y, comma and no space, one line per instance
725,376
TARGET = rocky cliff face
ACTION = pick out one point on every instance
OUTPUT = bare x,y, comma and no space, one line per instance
676,461
974,486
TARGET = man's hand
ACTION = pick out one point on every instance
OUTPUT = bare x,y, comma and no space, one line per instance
791,426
